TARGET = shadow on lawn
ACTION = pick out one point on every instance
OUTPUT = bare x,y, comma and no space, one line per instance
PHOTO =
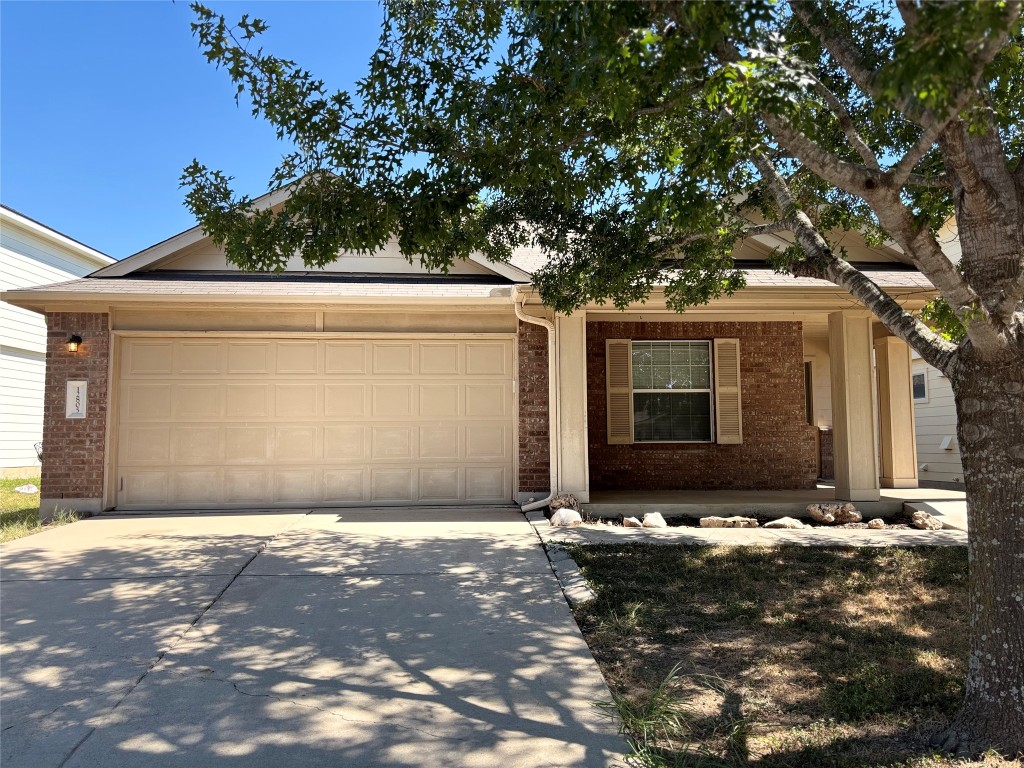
790,656
345,650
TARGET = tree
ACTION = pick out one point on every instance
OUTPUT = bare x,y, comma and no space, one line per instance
636,142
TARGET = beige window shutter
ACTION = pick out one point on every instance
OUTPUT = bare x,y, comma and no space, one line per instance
728,408
619,385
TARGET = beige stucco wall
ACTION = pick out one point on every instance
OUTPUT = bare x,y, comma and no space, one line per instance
816,352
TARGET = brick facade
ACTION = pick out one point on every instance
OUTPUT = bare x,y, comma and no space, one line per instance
73,449
534,444
779,449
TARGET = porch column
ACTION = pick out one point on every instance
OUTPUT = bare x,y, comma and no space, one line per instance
853,407
571,356
896,413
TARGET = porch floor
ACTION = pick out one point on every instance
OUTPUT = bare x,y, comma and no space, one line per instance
771,503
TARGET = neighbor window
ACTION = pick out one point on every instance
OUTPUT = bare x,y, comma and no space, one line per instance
920,386
671,391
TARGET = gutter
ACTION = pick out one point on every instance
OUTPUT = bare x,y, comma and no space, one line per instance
552,400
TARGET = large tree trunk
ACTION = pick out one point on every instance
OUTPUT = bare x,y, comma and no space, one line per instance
990,410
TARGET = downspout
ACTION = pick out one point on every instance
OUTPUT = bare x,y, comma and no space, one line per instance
552,400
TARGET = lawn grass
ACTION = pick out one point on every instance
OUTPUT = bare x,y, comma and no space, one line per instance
787,657
19,512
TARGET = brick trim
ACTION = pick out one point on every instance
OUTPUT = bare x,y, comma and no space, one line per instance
74,450
534,424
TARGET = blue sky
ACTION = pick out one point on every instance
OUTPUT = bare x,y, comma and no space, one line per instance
103,103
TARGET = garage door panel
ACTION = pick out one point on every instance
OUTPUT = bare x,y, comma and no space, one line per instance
488,400
246,445
197,486
195,444
439,358
488,441
197,401
208,422
146,402
439,484
292,485
486,484
200,358
345,442
345,400
345,486
392,485
397,442
149,358
297,357
392,401
390,359
439,441
293,444
248,358
438,401
146,445
246,486
246,401
345,357
296,401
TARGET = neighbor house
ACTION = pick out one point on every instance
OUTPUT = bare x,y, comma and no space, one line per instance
372,382
30,254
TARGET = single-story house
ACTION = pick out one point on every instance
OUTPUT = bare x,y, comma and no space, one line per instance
371,382
938,449
30,254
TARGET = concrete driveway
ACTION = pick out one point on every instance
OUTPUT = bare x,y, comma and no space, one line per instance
342,639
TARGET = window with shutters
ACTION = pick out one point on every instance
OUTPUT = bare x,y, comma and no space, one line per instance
671,383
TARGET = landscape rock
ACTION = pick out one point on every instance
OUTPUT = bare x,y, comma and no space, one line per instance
728,522
847,513
566,518
876,523
654,520
29,488
924,521
631,522
565,501
821,513
784,522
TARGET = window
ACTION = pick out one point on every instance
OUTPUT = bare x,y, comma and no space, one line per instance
671,391
808,391
920,387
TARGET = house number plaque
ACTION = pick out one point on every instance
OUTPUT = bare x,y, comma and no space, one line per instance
76,402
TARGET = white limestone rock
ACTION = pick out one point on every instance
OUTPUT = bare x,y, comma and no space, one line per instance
728,522
876,523
924,521
784,522
566,518
631,522
847,513
821,513
654,520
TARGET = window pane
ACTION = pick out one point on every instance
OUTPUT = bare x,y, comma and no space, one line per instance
672,416
672,365
643,373
920,391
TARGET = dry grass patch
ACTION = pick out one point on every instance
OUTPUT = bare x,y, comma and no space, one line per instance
781,657
19,512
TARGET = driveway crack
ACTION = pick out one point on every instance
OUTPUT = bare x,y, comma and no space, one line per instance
174,643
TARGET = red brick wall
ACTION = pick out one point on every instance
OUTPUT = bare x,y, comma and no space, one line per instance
779,449
534,445
73,449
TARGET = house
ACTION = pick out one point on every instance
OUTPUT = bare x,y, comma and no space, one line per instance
372,382
938,451
30,254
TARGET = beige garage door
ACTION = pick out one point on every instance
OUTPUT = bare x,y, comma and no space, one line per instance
223,422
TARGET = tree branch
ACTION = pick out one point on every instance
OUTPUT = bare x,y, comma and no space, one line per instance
841,49
933,348
846,124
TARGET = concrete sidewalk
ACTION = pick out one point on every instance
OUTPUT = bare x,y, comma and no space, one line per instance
346,638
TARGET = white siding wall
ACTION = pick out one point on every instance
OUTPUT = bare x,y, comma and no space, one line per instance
936,420
28,257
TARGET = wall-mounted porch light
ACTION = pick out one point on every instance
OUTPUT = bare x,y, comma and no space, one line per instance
73,341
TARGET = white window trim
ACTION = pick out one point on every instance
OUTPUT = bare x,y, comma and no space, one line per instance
710,391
